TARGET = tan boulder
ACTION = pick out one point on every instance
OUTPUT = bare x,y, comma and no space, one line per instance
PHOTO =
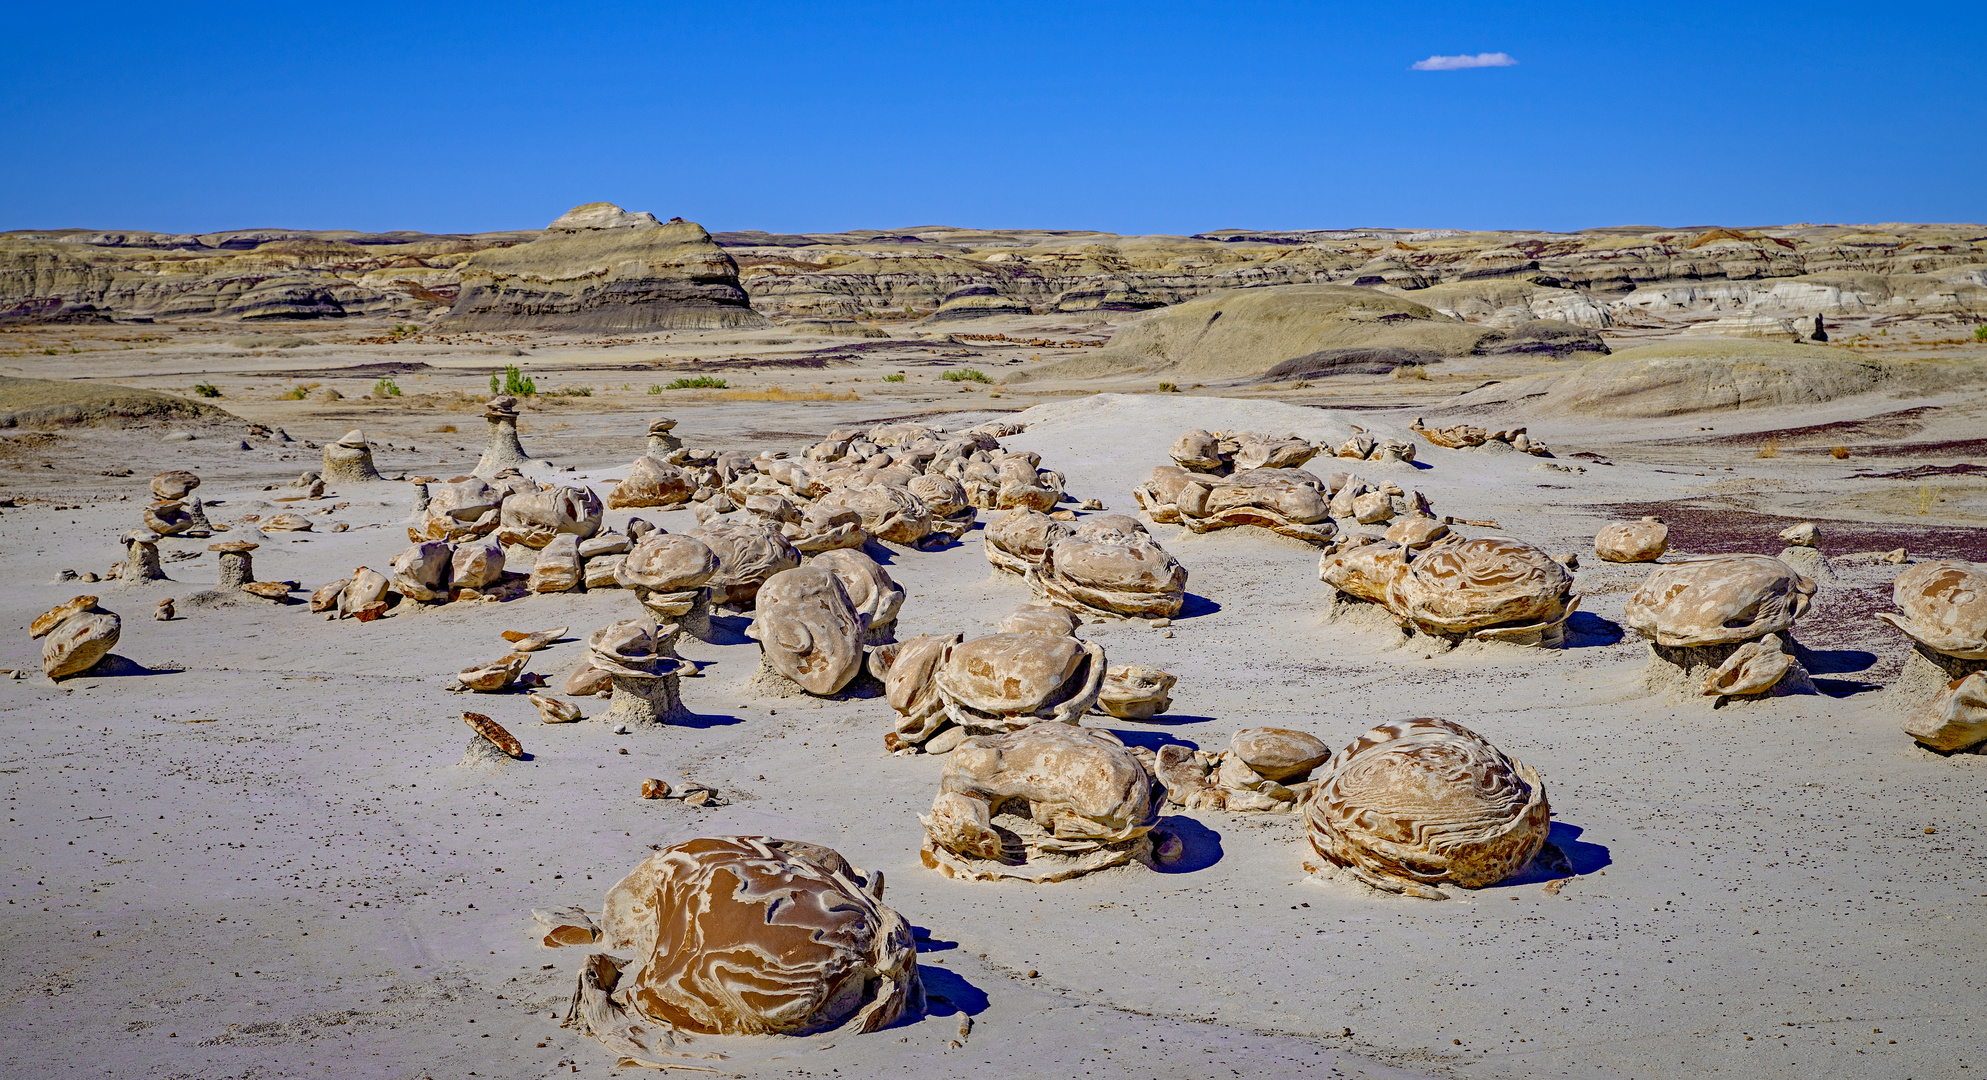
1632,541
1016,540
460,511
476,564
1040,619
1718,600
1279,754
1118,573
1255,450
875,595
808,630
1753,668
1956,717
1200,451
365,588
75,636
1364,571
1419,803
1009,681
534,518
888,512
652,482
825,527
421,572
175,484
748,553
1944,604
496,675
743,935
557,568
1472,586
1136,692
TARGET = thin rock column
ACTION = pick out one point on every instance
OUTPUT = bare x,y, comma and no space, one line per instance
645,700
503,451
141,559
236,570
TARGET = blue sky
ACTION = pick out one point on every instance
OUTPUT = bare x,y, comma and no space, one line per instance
1129,117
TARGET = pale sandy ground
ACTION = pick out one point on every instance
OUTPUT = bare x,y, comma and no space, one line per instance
1760,892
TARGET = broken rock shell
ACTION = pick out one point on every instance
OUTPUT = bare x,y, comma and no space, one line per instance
493,731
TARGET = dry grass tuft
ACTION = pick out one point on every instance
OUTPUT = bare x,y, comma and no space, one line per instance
775,393
1770,448
1926,497
1840,453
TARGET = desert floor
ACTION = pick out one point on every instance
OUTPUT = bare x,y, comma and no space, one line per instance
1782,888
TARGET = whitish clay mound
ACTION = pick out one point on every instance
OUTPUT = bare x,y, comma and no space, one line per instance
1697,376
1299,331
600,268
742,935
1420,803
45,403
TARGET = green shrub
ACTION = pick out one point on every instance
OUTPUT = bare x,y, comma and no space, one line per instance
899,377
572,391
699,382
654,389
1980,332
385,388
966,375
512,381
297,393
1169,388
206,389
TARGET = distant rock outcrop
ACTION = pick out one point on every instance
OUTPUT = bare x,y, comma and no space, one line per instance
600,268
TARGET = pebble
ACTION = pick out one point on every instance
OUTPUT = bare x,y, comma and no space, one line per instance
1160,624
621,729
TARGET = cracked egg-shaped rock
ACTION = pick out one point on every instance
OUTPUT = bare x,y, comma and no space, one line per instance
1287,501
871,589
1473,585
748,553
1632,541
1120,574
1418,803
1753,668
421,571
1199,451
459,511
1042,804
1366,571
1956,717
1254,450
75,636
808,630
652,482
745,935
1159,495
1944,607
888,512
1017,539
494,676
667,563
365,588
825,527
534,518
1009,681
1136,692
1718,600
907,671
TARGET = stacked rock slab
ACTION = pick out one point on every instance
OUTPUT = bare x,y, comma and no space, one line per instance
741,935
1420,803
78,634
1032,670
1942,691
1045,803
235,568
637,655
141,558
1722,625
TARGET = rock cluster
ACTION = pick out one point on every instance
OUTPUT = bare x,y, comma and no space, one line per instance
1466,436
1436,582
1262,769
944,688
1942,691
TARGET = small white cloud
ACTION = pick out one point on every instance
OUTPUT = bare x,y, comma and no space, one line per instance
1458,63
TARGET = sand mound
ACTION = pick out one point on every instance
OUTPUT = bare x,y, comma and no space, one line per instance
1696,376
42,403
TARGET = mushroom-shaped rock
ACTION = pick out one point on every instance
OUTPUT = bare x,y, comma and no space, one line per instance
668,572
459,511
1632,541
1017,539
1279,754
1718,600
638,657
175,484
141,558
421,572
75,635
1418,803
748,553
503,451
533,519
1944,605
168,518
1805,534
875,595
349,460
1009,681
1042,804
476,564
652,482
235,569
1956,717
1487,587
1118,573
1136,692
808,630
660,440
743,935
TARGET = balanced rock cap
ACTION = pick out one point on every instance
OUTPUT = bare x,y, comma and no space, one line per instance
355,438
660,425
600,215
233,545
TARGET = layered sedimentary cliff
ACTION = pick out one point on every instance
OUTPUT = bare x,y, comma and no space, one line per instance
600,267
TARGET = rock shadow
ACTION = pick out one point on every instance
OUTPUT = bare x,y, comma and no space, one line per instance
948,993
729,630
1200,845
1586,630
1564,855
1195,606
120,667
1152,740
699,720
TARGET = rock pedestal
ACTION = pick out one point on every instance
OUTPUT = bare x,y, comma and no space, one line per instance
645,700
141,559
503,451
349,460
235,570
661,442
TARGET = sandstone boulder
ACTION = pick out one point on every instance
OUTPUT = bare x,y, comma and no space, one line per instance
1632,541
534,518
1944,604
1718,600
652,482
808,630
748,554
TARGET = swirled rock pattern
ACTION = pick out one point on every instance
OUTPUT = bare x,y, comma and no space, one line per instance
808,630
744,935
1118,572
1418,803
1944,606
1718,600
748,554
1488,587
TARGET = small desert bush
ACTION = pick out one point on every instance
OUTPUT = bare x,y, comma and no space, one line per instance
1169,388
386,388
1980,332
512,381
654,389
572,391
1926,497
297,393
206,389
774,393
899,377
697,382
445,429
1840,453
966,375
1411,371
1770,448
